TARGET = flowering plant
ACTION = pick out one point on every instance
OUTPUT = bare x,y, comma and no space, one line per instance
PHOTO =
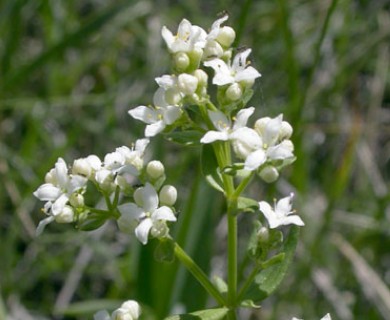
190,109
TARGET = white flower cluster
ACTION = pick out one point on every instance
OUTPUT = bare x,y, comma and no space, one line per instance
264,148
129,310
267,145
191,47
64,190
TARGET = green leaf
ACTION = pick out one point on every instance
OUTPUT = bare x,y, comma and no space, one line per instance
210,168
92,222
209,314
269,279
187,138
247,205
88,307
165,251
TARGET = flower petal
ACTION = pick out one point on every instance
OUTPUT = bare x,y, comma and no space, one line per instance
47,192
155,128
149,198
242,117
269,214
145,114
42,224
130,211
255,160
101,315
59,204
142,231
163,213
212,136
283,206
61,172
294,219
249,73
171,114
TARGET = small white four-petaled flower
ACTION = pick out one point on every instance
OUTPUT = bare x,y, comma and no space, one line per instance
145,216
281,214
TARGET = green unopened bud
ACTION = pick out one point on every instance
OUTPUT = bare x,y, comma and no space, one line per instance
155,169
263,235
181,61
76,200
234,92
168,195
269,174
65,216
159,229
226,36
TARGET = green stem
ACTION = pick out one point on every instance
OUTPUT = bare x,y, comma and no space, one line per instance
248,281
232,257
116,197
198,273
243,184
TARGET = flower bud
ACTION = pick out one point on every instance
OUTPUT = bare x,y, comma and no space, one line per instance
213,49
82,167
76,200
226,36
168,195
201,76
105,180
260,125
263,235
187,83
181,61
155,169
65,216
269,174
173,97
234,92
129,310
138,197
159,229
286,131
50,177
247,83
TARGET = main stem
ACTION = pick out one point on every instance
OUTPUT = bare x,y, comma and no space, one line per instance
222,152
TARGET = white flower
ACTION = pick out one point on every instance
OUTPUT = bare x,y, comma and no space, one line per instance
56,191
270,131
227,131
146,214
188,38
281,214
238,71
157,117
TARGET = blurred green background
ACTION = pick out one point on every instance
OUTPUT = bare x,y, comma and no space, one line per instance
70,70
